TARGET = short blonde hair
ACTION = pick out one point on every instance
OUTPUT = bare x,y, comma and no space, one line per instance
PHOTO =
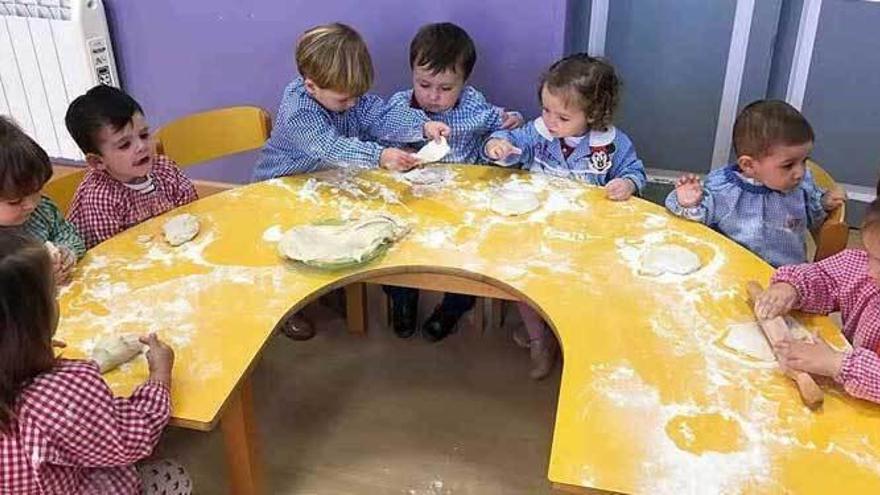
335,57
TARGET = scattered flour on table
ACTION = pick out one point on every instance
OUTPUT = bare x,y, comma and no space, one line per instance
671,469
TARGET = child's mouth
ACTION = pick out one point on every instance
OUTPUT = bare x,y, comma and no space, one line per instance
143,161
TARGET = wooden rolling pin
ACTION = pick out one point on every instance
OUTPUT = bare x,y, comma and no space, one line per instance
775,329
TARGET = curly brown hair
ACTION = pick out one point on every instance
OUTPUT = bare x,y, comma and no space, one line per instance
590,83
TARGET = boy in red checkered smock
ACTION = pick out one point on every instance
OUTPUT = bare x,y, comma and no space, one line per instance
127,182
848,282
61,429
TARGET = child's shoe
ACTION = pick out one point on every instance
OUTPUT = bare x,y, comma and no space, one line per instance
543,352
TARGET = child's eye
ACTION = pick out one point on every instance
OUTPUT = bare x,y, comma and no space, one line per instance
424,85
125,145
145,135
564,119
14,202
446,89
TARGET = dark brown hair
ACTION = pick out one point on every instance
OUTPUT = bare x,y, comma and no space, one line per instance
27,317
443,46
101,106
766,123
335,57
590,83
24,165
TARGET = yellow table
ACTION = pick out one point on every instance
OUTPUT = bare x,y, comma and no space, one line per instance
649,400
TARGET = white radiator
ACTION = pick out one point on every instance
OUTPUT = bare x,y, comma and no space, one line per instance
51,51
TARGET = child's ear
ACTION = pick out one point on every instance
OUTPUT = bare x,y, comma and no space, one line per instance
95,161
310,86
746,163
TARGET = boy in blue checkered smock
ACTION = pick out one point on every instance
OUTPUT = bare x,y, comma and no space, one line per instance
442,57
327,120
767,200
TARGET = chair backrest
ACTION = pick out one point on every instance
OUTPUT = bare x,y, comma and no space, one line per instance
205,136
833,235
824,180
61,189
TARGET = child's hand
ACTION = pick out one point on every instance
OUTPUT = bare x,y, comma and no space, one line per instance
818,358
499,149
63,264
777,300
688,190
619,189
397,160
833,199
160,358
511,120
435,130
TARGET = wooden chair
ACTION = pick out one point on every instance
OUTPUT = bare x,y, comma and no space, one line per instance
206,136
61,189
832,236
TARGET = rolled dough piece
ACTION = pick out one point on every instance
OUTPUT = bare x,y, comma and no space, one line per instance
434,151
427,176
748,339
669,258
511,202
115,350
180,229
144,238
352,241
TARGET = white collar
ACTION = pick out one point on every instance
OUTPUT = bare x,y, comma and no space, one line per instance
573,141
748,180
597,138
142,187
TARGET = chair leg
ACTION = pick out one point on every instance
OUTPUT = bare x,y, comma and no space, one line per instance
496,314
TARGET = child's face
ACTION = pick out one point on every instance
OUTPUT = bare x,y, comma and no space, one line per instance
436,92
333,101
16,211
871,239
781,169
562,119
126,154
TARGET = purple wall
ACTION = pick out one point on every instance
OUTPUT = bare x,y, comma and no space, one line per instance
184,56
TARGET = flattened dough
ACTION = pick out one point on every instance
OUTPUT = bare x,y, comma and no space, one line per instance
352,241
180,229
434,151
115,350
748,339
511,202
669,258
427,176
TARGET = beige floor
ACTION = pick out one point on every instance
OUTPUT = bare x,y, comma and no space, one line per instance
380,415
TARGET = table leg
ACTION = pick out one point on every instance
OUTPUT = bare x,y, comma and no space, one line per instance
356,308
239,433
478,315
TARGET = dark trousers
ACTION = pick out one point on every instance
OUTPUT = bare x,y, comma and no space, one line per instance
452,303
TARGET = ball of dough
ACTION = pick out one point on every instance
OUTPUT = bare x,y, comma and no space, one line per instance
180,229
